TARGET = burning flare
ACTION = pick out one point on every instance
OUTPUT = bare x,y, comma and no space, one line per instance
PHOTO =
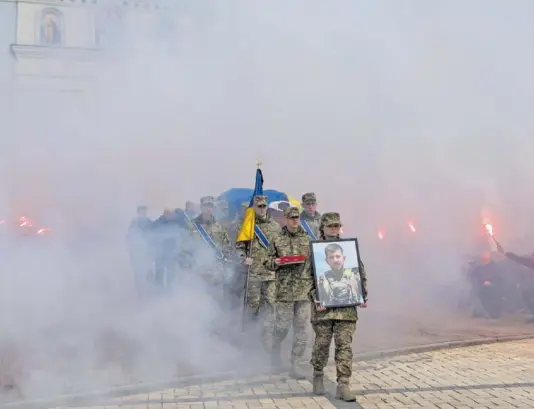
25,222
412,227
489,229
380,235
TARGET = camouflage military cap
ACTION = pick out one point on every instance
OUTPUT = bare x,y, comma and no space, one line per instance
207,200
260,200
329,219
222,204
309,198
291,211
244,205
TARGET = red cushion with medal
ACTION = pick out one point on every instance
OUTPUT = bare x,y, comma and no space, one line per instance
284,261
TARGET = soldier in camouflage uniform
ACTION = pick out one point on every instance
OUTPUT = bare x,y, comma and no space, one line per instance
233,228
293,285
190,210
261,281
338,323
213,274
222,214
310,215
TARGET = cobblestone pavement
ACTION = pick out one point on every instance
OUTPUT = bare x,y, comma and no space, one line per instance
498,375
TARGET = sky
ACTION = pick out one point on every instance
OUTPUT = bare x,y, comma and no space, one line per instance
391,112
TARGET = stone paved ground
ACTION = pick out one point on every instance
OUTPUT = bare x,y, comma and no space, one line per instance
491,376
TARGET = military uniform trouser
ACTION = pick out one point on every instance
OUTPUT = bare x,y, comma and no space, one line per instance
491,299
342,332
142,267
296,313
261,298
165,271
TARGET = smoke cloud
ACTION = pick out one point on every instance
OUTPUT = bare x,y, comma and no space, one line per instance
390,114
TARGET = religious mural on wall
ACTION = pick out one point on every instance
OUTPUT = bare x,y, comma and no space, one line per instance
51,27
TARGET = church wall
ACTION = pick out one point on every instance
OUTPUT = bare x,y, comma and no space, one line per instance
60,26
54,47
57,45
8,20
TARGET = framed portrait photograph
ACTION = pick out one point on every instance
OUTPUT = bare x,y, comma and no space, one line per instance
337,266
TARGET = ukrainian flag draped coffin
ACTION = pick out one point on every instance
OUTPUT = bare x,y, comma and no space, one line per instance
249,220
236,196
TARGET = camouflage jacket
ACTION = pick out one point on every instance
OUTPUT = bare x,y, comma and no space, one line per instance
194,253
233,230
314,222
338,313
294,281
258,270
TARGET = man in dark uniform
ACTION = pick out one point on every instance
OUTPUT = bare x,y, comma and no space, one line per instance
526,278
487,283
168,230
138,238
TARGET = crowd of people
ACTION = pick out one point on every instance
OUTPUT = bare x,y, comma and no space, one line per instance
501,282
254,274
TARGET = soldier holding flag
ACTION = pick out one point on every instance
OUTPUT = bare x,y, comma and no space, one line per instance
255,233
261,281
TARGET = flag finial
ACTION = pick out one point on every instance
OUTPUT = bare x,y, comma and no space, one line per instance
258,163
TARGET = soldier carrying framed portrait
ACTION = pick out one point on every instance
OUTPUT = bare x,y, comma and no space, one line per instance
336,267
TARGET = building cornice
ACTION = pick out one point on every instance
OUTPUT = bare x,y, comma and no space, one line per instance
134,4
20,51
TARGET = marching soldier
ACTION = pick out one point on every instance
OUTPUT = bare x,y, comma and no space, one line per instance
191,209
338,323
233,228
140,249
167,233
310,218
221,213
293,285
214,236
261,281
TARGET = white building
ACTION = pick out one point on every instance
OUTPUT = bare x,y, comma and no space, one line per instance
55,44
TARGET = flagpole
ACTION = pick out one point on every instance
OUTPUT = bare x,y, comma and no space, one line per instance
249,255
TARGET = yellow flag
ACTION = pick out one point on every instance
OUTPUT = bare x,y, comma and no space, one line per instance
249,220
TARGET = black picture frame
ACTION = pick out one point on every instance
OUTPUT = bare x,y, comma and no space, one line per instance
327,294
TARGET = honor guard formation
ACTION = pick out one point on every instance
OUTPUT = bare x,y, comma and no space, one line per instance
261,271
274,264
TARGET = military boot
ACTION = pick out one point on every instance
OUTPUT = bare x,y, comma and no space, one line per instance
318,384
343,392
295,373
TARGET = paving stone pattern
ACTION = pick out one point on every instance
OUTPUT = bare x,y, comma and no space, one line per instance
498,375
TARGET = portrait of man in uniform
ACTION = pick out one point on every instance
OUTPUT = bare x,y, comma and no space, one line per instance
337,273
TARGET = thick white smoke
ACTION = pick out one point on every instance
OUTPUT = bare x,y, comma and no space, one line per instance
388,113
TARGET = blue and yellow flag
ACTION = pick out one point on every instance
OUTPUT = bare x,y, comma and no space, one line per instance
249,220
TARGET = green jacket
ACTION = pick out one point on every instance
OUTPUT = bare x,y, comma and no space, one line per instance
314,222
338,313
259,253
295,281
